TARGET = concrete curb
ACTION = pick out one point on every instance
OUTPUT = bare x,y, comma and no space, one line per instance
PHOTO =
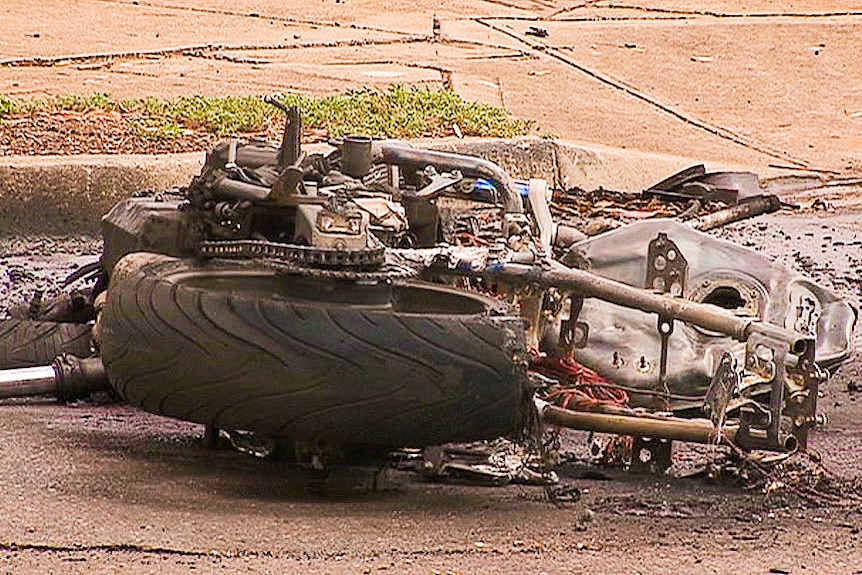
58,195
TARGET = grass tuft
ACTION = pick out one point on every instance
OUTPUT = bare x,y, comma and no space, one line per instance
8,106
157,129
96,101
405,113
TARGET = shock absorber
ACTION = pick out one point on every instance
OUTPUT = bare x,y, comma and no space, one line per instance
68,377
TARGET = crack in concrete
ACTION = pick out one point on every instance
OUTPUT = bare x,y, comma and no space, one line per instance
713,14
47,61
108,548
467,42
513,55
255,15
233,553
198,51
517,7
623,19
683,14
572,8
718,131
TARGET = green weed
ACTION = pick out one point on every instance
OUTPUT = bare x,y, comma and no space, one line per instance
8,106
156,129
398,112
96,101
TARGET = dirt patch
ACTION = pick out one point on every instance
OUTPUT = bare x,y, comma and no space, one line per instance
73,133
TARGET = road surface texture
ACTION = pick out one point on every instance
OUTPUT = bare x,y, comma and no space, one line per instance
90,488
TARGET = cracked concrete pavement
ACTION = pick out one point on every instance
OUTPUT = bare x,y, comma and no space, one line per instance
754,83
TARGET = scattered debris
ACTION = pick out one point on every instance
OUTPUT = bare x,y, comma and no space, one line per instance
634,48
537,31
748,208
494,463
570,494
821,204
696,183
817,48
704,200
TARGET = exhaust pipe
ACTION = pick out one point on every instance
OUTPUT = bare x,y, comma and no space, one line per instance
654,426
415,158
673,428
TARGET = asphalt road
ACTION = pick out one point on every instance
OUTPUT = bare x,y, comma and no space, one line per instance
99,487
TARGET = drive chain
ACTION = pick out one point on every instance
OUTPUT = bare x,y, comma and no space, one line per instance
386,272
291,253
357,265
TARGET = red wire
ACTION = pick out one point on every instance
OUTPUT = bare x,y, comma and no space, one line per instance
585,389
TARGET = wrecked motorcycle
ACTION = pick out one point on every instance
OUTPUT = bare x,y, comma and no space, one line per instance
379,296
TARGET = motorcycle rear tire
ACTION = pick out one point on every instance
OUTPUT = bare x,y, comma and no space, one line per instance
238,346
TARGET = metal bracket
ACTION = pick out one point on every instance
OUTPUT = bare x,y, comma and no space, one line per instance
803,383
667,268
724,383
665,329
438,183
573,333
766,357
793,379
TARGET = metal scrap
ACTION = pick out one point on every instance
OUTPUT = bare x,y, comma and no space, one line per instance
492,463
696,183
706,200
746,209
